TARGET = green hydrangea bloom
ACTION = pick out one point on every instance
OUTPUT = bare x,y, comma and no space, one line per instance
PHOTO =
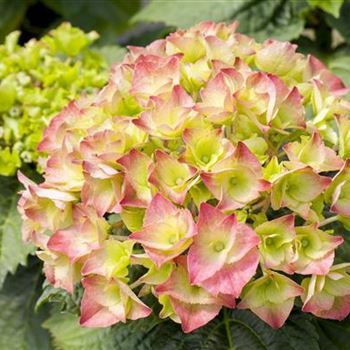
36,81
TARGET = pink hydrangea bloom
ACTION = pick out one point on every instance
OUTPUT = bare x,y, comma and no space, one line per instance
210,160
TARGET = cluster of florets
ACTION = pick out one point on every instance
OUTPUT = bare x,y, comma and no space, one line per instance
36,81
211,161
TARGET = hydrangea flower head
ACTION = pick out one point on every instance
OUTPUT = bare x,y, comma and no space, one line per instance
208,162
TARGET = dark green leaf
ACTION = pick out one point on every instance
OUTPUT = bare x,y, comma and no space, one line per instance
68,335
185,14
333,335
342,253
307,46
108,17
62,299
20,326
12,13
12,250
341,23
279,19
112,53
330,6
239,329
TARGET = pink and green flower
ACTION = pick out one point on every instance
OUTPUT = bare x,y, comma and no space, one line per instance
167,230
338,193
296,189
106,302
193,305
223,256
328,296
172,177
277,242
271,298
314,250
236,180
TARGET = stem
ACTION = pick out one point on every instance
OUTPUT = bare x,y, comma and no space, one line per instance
258,205
281,154
119,238
328,220
135,284
118,224
228,332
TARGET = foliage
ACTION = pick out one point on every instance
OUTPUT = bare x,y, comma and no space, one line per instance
262,19
332,7
239,327
20,325
109,18
12,14
12,249
247,332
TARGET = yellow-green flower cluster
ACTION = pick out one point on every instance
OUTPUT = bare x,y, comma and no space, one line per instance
36,81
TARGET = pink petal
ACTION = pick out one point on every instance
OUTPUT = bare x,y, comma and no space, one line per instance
158,209
233,277
193,316
275,314
214,228
103,194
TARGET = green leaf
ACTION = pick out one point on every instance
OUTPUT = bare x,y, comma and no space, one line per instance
341,23
12,250
331,6
277,19
250,333
239,330
63,300
262,19
12,12
68,335
112,53
20,326
185,14
333,335
108,17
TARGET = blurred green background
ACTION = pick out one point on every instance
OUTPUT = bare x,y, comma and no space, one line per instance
320,27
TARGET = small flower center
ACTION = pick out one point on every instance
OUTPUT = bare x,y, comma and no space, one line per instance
219,246
173,239
269,241
291,187
205,159
304,242
233,181
179,181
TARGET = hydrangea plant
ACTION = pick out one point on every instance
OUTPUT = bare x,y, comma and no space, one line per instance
211,162
36,82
